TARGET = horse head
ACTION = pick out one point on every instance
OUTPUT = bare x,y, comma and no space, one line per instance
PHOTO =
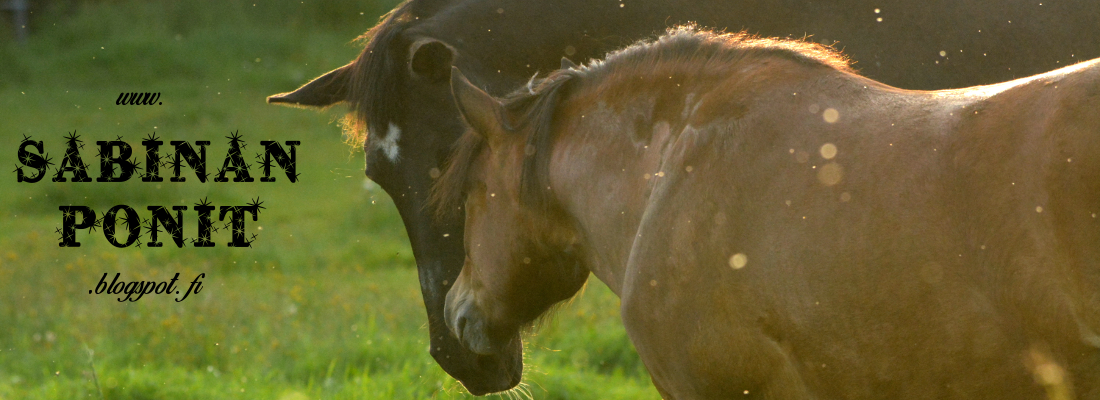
398,91
520,259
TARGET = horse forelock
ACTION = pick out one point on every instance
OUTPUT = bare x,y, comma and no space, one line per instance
535,106
529,111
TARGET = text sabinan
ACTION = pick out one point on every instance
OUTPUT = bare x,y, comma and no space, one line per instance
118,164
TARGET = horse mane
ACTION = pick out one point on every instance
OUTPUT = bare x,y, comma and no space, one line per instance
372,96
699,50
531,109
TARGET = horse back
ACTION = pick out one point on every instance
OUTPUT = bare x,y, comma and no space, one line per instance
1043,139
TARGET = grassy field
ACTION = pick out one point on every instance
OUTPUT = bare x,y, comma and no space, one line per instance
326,303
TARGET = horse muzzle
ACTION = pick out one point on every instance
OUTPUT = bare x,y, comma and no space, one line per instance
499,364
467,323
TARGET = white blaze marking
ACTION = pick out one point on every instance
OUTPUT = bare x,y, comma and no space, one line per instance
388,144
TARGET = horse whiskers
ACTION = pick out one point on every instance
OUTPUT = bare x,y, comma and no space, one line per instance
522,391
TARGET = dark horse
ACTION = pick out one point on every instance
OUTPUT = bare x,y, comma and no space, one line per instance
398,87
779,227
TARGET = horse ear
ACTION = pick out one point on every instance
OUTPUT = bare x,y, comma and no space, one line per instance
431,60
567,63
481,111
325,90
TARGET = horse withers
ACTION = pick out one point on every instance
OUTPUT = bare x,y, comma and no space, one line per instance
780,227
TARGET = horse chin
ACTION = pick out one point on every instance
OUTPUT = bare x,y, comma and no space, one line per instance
492,362
497,365
479,373
496,372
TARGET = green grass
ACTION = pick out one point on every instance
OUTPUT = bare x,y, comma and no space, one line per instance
325,305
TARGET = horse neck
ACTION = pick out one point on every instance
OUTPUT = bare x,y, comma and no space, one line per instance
598,185
610,143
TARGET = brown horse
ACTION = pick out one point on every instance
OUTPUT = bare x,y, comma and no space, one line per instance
779,227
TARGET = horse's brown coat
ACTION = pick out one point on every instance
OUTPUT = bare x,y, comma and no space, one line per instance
778,227
398,87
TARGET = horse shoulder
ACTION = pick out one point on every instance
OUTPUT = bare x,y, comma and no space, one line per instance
682,277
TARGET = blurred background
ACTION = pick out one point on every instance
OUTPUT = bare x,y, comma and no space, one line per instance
326,303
